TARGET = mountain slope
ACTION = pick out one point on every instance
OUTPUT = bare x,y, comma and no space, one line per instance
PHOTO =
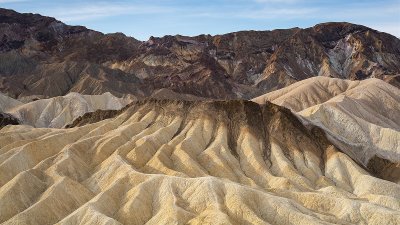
332,156
253,165
59,111
42,56
362,118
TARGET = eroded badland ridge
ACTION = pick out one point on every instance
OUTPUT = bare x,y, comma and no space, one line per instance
251,164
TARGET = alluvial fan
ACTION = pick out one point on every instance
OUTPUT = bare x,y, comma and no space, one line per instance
165,161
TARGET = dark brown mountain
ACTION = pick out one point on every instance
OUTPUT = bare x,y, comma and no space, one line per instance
42,56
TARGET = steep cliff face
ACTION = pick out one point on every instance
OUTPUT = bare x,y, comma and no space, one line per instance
37,52
252,164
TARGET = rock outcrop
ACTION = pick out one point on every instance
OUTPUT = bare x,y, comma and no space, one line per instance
164,161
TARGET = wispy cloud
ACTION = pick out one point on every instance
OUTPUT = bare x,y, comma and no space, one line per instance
160,17
263,9
259,14
11,1
82,12
277,1
282,13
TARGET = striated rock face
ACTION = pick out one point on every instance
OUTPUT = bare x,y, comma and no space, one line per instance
339,50
59,111
253,165
37,52
362,118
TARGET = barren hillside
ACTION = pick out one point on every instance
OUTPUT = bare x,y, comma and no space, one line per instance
362,118
187,162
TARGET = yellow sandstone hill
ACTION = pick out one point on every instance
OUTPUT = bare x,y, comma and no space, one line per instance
180,162
362,118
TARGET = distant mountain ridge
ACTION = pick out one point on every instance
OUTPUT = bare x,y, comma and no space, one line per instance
42,56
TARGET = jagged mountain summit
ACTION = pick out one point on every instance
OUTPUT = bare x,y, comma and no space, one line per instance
179,162
42,56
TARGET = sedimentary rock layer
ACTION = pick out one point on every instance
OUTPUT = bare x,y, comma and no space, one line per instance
362,118
164,161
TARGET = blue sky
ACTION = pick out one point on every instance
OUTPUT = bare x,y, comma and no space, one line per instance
142,19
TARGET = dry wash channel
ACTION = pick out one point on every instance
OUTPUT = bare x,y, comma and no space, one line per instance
177,162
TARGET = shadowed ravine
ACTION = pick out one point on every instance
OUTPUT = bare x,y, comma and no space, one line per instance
253,165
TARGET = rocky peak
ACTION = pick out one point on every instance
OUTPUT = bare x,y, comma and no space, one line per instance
241,64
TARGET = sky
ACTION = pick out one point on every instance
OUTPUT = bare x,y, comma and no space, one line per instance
142,19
